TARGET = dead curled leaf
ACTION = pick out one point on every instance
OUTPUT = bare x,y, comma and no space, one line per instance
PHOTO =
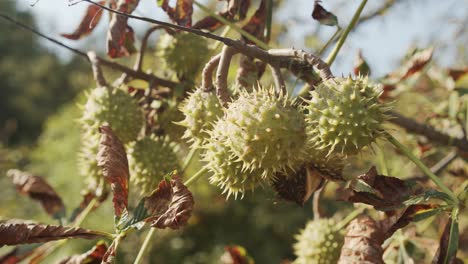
323,16
94,255
236,255
235,10
362,242
88,22
417,62
181,13
38,189
120,36
113,161
170,205
256,25
381,191
22,233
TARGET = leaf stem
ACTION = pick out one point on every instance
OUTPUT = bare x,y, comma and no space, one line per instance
422,167
195,177
331,58
145,244
189,158
349,217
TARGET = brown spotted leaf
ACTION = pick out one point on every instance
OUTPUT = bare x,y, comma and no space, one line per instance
38,189
170,205
113,161
235,10
181,14
92,256
363,242
88,22
377,190
323,16
448,244
256,24
23,233
120,36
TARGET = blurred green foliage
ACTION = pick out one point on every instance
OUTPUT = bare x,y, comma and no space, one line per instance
34,81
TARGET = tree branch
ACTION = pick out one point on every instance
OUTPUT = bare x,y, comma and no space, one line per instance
298,61
222,74
207,75
135,74
428,131
97,71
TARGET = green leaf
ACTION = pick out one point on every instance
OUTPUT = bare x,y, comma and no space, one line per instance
453,238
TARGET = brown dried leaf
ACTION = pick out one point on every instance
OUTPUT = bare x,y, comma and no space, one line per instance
181,14
456,74
417,62
323,16
361,67
38,189
383,191
120,36
113,161
170,205
256,24
236,255
21,233
109,256
92,256
362,242
235,10
88,22
396,220
15,256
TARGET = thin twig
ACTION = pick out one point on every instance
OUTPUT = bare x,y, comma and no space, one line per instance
280,85
297,65
439,166
97,71
222,74
207,75
428,131
135,74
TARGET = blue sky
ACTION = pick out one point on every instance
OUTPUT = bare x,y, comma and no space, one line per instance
383,41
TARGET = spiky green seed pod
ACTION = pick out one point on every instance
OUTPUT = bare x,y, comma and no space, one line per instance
318,243
184,53
87,159
227,172
265,131
344,115
168,118
201,110
115,107
150,159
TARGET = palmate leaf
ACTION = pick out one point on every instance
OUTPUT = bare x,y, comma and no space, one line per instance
38,189
14,233
170,205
